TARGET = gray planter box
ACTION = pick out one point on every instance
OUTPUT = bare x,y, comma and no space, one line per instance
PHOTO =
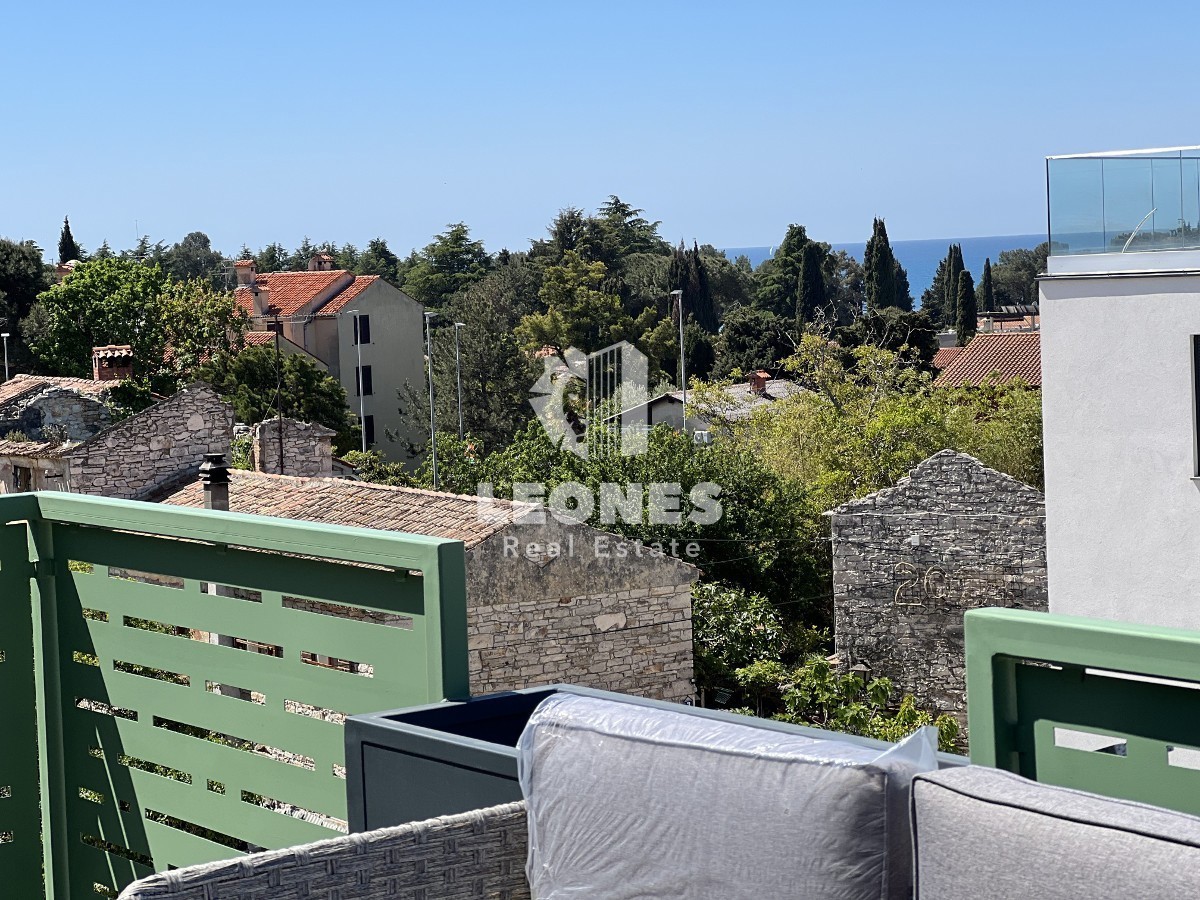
406,765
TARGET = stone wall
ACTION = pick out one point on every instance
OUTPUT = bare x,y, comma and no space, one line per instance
55,413
595,619
910,560
154,447
307,449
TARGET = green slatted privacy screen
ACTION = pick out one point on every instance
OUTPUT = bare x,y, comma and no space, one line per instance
176,680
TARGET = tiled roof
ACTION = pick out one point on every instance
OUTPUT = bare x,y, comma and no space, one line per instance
997,357
291,291
945,356
34,449
338,303
112,351
335,501
20,385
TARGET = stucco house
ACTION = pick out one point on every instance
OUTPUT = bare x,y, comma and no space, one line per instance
325,312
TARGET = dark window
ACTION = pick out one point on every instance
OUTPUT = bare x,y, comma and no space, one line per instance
275,327
362,383
22,479
369,429
362,329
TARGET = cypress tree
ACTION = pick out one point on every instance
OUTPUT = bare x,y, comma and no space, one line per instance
933,299
811,297
67,248
968,314
954,267
879,269
904,298
986,294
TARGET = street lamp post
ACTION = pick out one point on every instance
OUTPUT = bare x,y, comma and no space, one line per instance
678,295
429,371
5,336
458,374
362,419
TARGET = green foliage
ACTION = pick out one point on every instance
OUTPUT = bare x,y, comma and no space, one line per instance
192,258
910,335
688,274
732,629
1015,275
68,249
447,265
372,467
954,268
254,384
967,317
751,339
886,281
810,295
985,294
22,277
239,451
779,277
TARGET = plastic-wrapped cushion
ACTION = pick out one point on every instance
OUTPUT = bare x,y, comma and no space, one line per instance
628,801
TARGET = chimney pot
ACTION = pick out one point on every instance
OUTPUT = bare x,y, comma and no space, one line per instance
214,476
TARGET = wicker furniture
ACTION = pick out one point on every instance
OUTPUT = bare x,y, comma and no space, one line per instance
478,854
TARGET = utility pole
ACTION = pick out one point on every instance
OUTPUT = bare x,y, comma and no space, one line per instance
678,295
5,336
429,371
362,419
458,374
274,311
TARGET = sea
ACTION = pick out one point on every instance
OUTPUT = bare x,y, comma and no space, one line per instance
920,258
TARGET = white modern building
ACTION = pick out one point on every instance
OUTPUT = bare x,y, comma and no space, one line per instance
1120,305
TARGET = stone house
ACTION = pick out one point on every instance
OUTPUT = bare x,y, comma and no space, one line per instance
325,312
909,560
547,602
42,408
131,459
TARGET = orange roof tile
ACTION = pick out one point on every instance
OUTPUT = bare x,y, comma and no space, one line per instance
997,357
338,303
336,501
20,385
291,291
945,356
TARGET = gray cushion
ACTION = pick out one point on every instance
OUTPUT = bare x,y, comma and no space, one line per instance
628,802
992,835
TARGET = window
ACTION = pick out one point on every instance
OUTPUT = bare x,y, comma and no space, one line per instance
275,327
362,329
369,429
362,383
22,479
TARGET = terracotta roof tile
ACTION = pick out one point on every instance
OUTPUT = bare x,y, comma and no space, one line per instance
34,449
338,303
945,356
999,357
291,291
336,501
21,385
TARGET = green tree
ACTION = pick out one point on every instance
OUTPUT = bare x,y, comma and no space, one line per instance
271,258
23,276
192,257
933,298
67,248
968,316
880,271
256,384
779,276
299,259
910,335
810,295
378,259
751,339
954,267
447,265
688,274
985,295
631,232
1016,273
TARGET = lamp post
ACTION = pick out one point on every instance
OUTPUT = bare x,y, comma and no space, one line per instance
429,371
458,374
362,419
5,336
678,295
275,311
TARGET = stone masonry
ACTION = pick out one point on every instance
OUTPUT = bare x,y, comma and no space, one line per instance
908,561
307,449
50,411
154,447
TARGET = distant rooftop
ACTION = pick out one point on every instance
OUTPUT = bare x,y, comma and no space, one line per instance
1124,208
998,357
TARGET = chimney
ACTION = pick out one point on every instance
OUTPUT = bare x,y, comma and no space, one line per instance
112,362
758,382
246,269
320,262
262,298
214,475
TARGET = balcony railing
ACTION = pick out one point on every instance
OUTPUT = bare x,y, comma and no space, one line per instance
1124,202
175,680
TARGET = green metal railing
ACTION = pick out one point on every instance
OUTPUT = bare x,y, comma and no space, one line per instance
1107,707
175,679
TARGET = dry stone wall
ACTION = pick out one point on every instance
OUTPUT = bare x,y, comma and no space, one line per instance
55,413
307,449
910,560
153,447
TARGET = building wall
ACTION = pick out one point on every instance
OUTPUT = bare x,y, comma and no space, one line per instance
55,413
307,449
154,446
396,354
46,473
1122,499
909,561
617,624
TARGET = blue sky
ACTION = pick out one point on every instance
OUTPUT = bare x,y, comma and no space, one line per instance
266,121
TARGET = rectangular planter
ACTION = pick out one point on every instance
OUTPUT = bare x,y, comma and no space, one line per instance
406,765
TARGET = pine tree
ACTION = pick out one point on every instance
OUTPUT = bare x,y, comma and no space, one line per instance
954,267
904,298
811,297
968,315
985,296
933,298
879,268
67,248
687,274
